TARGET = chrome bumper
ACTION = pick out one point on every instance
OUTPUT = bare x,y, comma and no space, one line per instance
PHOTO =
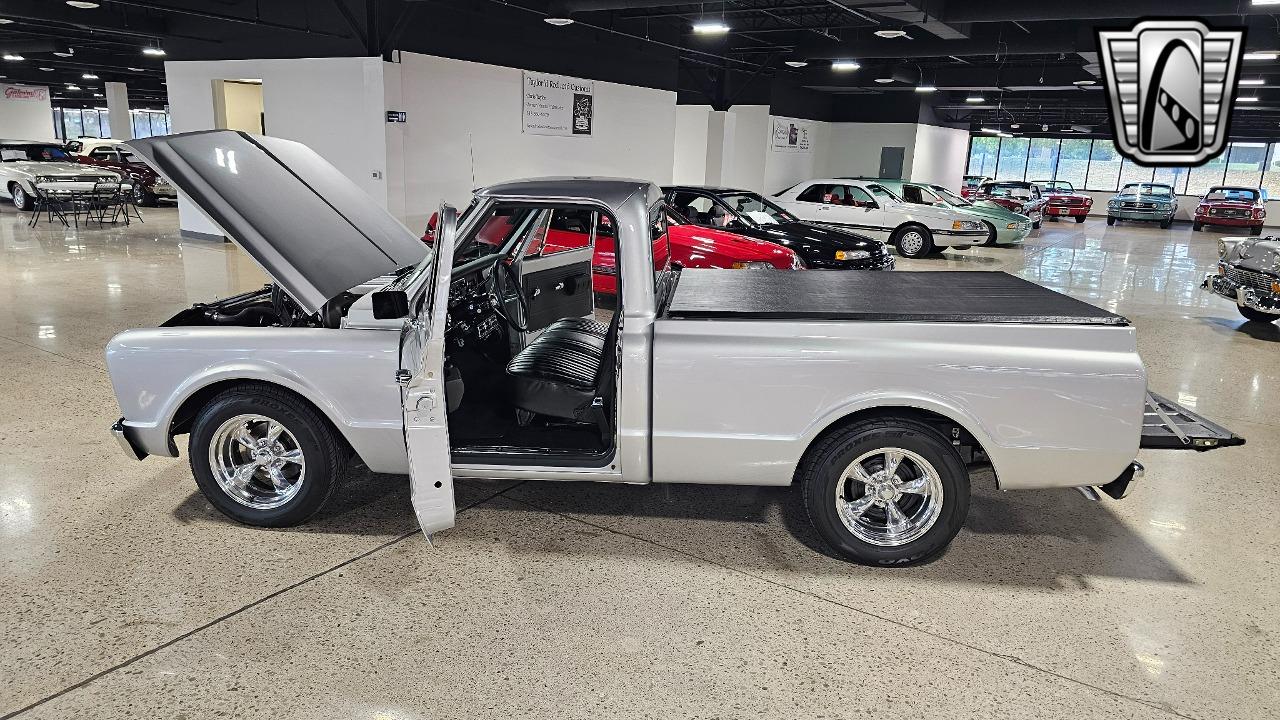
1240,295
121,434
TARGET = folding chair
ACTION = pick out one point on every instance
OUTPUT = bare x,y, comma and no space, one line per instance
51,204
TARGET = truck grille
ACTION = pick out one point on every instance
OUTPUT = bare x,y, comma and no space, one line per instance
1250,278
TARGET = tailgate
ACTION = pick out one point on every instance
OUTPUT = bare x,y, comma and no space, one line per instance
1166,425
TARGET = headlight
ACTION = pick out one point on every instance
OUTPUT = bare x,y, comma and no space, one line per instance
1113,203
852,255
752,266
965,225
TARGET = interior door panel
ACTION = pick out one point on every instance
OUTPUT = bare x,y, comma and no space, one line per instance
558,292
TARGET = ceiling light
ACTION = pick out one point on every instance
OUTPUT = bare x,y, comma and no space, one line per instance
993,131
14,58
89,76
136,69
1014,126
975,99
46,69
1247,99
891,34
710,28
73,87
153,51
1266,2
845,65
558,21
82,5
5,21
97,94
1255,81
1262,55
884,81
925,88
1082,83
796,63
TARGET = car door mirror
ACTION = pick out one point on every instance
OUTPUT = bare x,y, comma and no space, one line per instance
390,304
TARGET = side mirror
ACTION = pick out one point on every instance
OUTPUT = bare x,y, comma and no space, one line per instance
390,304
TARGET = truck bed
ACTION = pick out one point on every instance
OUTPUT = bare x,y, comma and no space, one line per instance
895,296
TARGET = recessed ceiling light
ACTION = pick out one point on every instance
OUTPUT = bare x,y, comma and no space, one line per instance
710,28
47,69
1261,55
1014,126
1254,81
975,99
153,51
82,4
1246,99
558,21
136,69
925,88
1082,83
845,65
796,63
89,76
73,87
890,34
97,94
884,81
5,21
13,58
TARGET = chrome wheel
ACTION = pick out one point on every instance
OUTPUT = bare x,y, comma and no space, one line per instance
889,497
19,197
256,461
911,242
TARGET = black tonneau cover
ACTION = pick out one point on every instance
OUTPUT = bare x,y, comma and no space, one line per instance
893,296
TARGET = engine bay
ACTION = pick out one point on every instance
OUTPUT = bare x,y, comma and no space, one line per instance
268,306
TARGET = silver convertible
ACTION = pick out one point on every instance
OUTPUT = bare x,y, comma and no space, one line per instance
485,355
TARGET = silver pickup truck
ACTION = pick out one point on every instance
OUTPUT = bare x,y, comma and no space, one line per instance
485,355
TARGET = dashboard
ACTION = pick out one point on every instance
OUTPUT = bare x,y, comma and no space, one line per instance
471,317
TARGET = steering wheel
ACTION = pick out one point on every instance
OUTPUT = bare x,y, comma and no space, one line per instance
502,279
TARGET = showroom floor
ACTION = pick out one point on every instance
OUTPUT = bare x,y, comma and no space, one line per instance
123,594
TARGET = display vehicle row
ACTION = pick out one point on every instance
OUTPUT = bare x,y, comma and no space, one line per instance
476,358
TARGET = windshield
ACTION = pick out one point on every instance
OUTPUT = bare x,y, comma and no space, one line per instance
949,197
1233,194
33,153
755,209
1011,191
973,180
1147,189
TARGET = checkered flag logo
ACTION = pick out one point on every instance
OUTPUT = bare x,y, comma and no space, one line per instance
1171,86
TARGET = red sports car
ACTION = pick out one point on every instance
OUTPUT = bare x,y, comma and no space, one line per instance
971,183
1233,207
1064,201
1016,195
692,246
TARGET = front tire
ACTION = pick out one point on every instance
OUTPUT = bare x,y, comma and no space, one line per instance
913,241
1256,315
1255,230
1079,218
143,198
885,491
264,457
1111,220
1196,227
21,199
991,234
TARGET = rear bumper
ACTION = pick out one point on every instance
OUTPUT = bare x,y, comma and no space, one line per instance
121,433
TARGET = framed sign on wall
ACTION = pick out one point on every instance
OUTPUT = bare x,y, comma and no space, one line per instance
557,104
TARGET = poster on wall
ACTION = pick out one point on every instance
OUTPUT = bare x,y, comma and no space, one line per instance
557,104
792,135
25,93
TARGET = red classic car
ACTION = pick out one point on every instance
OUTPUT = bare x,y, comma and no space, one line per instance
148,186
971,183
1064,201
692,246
1016,195
1233,207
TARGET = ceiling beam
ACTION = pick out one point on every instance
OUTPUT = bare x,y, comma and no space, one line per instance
97,20
986,11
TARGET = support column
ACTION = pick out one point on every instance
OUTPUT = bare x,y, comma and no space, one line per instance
118,110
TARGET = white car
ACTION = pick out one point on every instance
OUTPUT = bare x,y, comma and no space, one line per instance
870,209
22,161
86,145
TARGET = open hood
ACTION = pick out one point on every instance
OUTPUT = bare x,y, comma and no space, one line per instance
310,227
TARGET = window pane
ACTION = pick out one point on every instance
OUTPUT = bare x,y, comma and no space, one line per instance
1104,167
91,123
1073,161
982,155
1200,179
104,122
1043,160
73,123
1244,164
1271,178
1129,173
1013,159
1177,177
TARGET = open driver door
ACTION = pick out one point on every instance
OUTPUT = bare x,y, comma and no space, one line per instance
426,424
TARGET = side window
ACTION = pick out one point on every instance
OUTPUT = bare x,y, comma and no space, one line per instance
814,194
566,229
75,146
859,197
103,154
697,209
912,194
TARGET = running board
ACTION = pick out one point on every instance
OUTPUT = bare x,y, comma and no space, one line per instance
1166,425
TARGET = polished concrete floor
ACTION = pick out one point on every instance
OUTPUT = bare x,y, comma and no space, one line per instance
123,594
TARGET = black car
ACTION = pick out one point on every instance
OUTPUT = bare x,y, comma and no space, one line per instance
747,213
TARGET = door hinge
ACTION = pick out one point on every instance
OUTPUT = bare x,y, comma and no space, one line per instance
426,401
403,377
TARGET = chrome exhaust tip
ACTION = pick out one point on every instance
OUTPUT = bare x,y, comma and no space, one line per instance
1089,492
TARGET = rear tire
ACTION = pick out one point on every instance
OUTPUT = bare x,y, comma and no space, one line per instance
854,517
1111,220
276,494
1196,227
913,241
1079,218
1257,315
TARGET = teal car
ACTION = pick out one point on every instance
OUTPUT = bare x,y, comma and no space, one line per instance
1004,226
1152,202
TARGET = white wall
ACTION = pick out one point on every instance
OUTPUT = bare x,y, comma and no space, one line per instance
464,130
940,156
855,147
690,163
333,105
784,169
746,149
26,119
